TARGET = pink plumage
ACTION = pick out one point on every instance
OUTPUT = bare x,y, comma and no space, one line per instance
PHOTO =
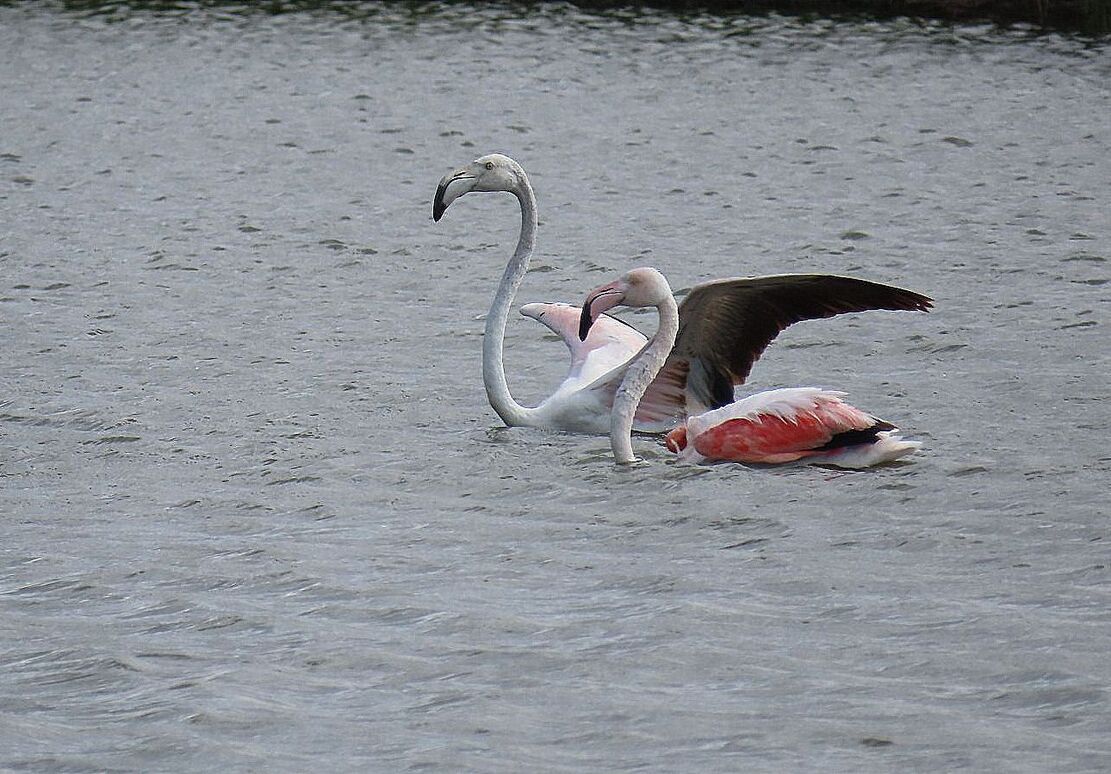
789,425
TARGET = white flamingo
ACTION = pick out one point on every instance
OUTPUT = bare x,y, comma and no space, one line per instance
786,425
726,324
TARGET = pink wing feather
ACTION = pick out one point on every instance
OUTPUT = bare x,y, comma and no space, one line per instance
610,343
599,363
786,425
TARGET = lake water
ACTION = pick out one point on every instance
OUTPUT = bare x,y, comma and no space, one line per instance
256,512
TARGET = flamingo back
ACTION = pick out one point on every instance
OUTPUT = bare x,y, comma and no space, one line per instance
791,424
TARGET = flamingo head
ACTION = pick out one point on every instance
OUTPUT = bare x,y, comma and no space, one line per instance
636,288
494,172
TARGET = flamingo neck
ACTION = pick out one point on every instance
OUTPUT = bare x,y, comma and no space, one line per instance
638,376
493,366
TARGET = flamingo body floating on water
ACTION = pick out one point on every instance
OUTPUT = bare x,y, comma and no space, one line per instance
788,425
805,424
726,325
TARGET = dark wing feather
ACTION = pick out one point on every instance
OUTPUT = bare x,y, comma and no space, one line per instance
725,325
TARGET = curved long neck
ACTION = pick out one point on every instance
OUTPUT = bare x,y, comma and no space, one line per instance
493,367
639,375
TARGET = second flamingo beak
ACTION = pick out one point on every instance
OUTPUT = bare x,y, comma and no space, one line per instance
597,301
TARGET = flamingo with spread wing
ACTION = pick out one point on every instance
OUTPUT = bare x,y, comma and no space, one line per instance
725,326
786,425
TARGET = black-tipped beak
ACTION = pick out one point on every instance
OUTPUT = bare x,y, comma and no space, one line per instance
445,194
438,205
605,297
585,319
587,316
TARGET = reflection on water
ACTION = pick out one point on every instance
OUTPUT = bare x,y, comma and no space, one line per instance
258,515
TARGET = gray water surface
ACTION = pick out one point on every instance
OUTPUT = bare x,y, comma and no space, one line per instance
256,515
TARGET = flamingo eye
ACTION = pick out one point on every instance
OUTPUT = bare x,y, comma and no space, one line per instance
489,165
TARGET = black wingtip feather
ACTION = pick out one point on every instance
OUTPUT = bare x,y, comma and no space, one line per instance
856,437
916,302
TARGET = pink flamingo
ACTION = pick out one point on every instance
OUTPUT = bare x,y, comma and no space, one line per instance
787,425
726,325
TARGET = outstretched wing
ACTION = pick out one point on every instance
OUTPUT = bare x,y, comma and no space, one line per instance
610,343
725,325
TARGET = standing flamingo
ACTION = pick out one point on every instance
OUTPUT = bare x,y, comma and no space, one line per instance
800,423
726,325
